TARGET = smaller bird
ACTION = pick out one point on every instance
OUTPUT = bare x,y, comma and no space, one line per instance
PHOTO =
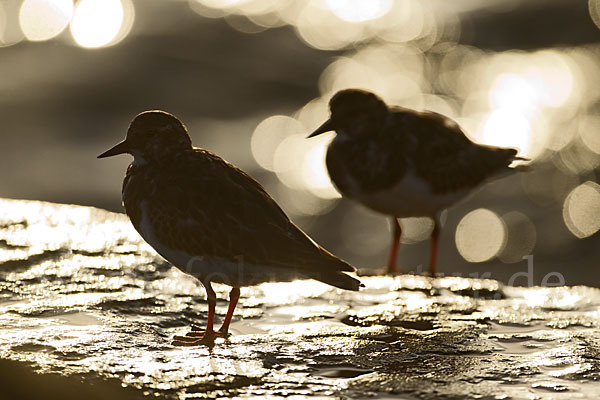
213,221
405,163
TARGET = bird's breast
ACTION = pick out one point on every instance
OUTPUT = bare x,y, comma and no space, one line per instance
356,167
410,196
133,192
381,176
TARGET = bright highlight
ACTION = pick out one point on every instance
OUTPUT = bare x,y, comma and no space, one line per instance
480,235
44,19
97,22
359,10
581,210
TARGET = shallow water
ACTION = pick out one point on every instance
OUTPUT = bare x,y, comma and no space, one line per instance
81,296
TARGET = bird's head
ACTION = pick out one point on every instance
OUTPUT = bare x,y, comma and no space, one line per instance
355,113
152,135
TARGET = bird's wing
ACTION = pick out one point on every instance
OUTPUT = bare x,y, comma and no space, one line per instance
222,212
446,157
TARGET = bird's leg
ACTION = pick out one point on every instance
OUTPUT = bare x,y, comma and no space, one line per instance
234,296
396,233
435,236
209,335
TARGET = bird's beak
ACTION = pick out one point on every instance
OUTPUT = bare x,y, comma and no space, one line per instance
326,127
120,148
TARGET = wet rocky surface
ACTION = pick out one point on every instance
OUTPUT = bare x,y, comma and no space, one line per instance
88,310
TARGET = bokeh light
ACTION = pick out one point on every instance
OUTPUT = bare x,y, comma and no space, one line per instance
10,28
315,171
318,29
248,16
359,10
520,238
375,68
415,229
98,23
407,20
3,22
279,144
589,131
512,91
269,134
581,210
480,235
221,3
525,90
594,8
327,24
506,128
44,19
288,160
302,203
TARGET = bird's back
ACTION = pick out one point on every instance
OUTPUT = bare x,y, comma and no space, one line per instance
447,159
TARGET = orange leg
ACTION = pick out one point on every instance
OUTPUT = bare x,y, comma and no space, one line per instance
234,296
435,238
396,233
208,336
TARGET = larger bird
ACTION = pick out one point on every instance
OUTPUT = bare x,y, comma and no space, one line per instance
404,163
211,220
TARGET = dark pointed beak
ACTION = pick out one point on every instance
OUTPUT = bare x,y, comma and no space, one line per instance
120,148
326,127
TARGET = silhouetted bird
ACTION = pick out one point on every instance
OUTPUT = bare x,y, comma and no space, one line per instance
211,220
404,163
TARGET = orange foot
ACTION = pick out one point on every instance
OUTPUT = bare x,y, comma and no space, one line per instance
198,337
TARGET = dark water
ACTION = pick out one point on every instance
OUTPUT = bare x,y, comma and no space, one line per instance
83,299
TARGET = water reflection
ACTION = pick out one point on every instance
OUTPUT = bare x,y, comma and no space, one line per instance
111,314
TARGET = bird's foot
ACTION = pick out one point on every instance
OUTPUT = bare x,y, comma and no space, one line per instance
200,333
197,337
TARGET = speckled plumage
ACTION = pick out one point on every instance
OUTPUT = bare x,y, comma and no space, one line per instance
404,163
200,204
210,219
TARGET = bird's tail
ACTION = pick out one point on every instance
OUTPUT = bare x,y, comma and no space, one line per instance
521,166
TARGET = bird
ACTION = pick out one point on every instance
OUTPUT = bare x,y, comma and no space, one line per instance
405,163
213,221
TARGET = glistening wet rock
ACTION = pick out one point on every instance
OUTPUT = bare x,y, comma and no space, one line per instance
86,307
